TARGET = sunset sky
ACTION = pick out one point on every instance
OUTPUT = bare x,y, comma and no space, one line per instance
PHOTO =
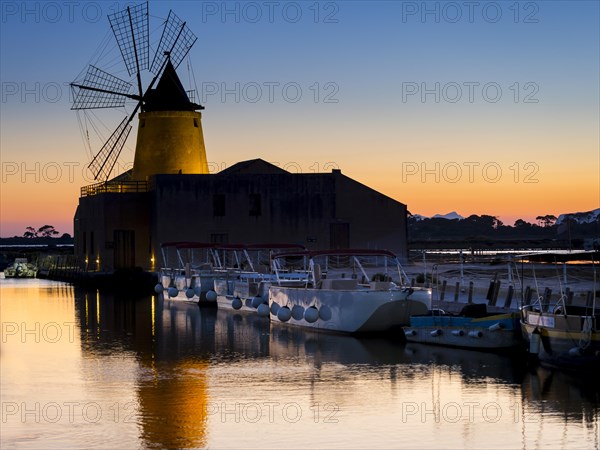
474,107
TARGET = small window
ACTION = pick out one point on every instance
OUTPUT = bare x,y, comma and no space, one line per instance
196,123
219,238
255,205
142,123
219,205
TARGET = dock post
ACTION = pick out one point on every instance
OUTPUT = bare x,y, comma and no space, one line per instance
443,291
527,296
490,292
496,292
470,300
569,296
547,294
509,296
456,291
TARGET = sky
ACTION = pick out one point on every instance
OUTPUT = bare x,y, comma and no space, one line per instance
475,107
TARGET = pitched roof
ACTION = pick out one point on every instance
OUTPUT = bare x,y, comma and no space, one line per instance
253,166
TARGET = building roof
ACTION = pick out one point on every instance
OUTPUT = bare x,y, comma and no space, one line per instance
253,166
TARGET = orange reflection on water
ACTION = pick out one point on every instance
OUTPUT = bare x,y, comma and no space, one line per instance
173,404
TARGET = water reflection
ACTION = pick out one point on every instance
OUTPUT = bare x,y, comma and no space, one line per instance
560,400
181,376
467,396
171,383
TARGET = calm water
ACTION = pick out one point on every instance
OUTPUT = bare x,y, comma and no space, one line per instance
81,370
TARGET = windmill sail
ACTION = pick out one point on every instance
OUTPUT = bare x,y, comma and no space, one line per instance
100,89
130,27
103,163
176,40
103,90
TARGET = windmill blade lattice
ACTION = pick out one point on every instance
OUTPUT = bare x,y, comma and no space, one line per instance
130,27
103,90
100,89
103,163
177,39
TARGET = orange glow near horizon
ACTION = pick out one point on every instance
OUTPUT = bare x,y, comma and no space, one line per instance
426,187
432,168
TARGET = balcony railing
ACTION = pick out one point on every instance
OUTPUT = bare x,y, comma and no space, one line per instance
114,187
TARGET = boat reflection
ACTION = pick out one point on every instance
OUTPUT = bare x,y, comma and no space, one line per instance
556,400
571,395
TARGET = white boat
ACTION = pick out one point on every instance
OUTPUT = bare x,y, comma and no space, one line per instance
251,270
189,273
331,301
20,268
231,276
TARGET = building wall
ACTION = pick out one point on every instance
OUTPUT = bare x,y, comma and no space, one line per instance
319,211
96,220
294,208
291,208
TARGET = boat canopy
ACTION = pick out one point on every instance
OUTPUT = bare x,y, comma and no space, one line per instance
560,256
336,252
267,246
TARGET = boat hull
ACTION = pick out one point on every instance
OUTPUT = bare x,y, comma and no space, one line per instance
348,311
562,341
237,294
499,331
248,291
200,283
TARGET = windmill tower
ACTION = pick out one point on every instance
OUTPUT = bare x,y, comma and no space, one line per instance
170,138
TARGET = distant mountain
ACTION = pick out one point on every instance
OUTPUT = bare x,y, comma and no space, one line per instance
580,217
450,216
577,217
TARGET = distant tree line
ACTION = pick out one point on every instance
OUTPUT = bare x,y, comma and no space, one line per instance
45,231
489,227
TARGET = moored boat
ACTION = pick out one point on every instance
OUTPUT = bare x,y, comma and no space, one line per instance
474,327
244,285
188,275
20,268
330,301
560,333
567,337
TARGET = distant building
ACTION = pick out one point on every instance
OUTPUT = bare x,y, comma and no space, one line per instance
170,196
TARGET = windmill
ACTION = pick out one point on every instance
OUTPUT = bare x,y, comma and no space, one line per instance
168,140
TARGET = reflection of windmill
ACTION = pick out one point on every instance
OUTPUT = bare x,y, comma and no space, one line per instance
170,136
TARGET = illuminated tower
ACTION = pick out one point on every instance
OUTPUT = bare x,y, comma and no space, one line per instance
170,138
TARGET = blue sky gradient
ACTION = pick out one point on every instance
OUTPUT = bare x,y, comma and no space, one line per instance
361,58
